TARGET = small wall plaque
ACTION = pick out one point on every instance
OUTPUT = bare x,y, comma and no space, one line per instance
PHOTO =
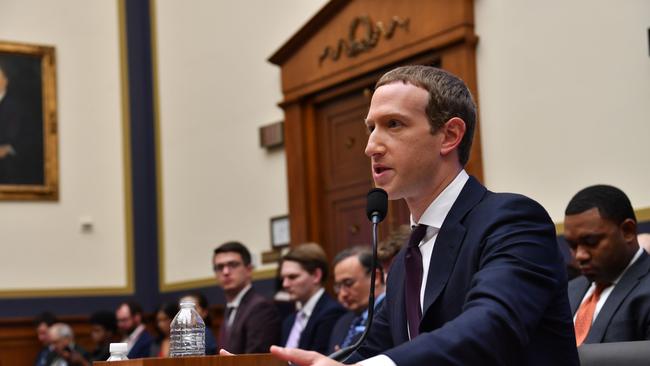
280,232
272,135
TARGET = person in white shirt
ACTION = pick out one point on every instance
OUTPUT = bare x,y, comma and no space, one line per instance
129,317
482,280
304,270
611,300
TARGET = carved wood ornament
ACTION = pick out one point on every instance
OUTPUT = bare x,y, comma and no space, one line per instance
372,33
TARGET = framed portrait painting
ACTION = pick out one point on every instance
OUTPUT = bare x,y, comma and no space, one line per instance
28,126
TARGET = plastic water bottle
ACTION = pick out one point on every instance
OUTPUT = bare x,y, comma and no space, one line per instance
187,332
118,351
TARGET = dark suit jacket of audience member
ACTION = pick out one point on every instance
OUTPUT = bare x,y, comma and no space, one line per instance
340,331
316,335
101,353
54,357
142,347
625,316
342,326
256,325
496,291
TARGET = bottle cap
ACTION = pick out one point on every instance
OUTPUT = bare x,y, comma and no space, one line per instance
118,347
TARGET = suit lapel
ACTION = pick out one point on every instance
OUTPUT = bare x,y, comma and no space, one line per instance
619,293
237,323
306,334
449,241
575,297
396,286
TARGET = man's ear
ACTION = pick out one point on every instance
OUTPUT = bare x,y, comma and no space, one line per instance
318,275
453,132
628,228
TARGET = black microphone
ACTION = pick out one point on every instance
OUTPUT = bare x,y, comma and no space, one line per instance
377,205
376,209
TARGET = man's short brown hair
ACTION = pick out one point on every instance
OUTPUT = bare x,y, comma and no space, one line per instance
310,256
449,97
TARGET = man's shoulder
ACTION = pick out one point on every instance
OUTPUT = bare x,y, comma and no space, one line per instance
254,299
327,307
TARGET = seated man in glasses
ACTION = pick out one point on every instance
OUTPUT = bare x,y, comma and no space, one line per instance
352,269
251,323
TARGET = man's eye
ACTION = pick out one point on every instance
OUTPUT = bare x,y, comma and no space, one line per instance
393,123
371,128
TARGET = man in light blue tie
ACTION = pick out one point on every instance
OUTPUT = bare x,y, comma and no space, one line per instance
352,269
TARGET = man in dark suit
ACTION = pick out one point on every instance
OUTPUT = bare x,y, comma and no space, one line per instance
611,300
43,322
129,321
482,280
65,351
304,272
251,322
352,269
21,146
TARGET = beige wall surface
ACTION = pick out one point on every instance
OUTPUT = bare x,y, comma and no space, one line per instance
215,90
43,246
564,92
564,96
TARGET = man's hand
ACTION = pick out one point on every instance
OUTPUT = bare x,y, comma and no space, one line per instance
301,357
6,150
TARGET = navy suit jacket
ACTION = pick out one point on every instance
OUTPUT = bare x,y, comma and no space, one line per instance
256,325
625,316
142,347
496,291
340,330
316,335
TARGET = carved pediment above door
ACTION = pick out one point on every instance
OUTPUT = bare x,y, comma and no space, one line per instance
328,70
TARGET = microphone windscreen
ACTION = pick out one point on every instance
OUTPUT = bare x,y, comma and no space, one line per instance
377,204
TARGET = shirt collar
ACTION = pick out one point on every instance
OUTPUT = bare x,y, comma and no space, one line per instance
309,306
237,300
378,301
435,214
636,256
133,337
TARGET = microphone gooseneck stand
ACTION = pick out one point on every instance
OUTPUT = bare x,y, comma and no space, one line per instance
376,215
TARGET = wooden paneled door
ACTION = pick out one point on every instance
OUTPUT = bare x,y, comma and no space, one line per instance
326,100
345,170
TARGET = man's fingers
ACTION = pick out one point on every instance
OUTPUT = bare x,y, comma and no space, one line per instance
295,355
223,352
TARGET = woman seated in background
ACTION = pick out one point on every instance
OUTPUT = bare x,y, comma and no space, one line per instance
164,316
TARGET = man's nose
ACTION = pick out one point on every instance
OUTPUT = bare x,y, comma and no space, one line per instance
581,254
374,145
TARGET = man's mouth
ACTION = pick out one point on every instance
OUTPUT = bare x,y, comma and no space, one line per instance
378,169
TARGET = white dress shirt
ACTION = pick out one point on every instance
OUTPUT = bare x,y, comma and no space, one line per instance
433,217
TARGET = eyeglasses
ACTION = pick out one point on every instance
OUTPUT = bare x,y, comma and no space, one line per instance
345,284
219,267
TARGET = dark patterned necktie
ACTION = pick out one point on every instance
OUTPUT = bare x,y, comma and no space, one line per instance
356,328
413,262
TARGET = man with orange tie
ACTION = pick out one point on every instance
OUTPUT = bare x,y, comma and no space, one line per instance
611,300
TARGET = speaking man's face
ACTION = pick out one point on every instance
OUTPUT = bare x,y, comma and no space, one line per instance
601,248
405,155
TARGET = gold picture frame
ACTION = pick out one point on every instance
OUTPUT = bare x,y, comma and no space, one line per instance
28,123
